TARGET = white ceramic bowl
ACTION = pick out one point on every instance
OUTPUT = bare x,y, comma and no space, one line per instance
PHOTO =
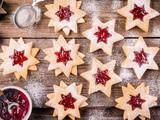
27,95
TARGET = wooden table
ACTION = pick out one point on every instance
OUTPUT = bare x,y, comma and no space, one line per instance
39,83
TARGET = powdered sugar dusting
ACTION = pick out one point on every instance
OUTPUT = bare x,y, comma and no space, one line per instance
37,92
125,74
116,5
92,8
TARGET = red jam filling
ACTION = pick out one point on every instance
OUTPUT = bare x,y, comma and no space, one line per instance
18,58
64,13
136,102
102,35
138,12
101,77
141,57
18,113
63,56
67,101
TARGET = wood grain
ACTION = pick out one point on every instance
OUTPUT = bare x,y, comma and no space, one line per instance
100,107
104,9
91,114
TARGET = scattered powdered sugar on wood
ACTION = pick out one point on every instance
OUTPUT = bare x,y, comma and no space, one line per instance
115,5
37,92
125,74
92,7
98,116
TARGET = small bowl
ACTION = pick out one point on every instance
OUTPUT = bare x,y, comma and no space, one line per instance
27,95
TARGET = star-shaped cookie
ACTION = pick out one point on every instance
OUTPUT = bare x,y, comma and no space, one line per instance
102,36
18,58
64,86
67,100
140,57
101,77
136,102
138,13
65,15
64,57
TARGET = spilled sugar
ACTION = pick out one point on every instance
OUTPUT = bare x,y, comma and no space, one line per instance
125,74
37,92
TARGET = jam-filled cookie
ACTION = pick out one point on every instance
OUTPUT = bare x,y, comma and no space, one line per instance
18,57
64,57
136,102
102,36
138,13
67,100
65,15
140,57
101,77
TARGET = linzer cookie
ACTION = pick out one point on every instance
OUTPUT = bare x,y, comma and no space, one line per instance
102,36
64,57
18,58
65,15
67,100
136,102
101,77
138,13
140,57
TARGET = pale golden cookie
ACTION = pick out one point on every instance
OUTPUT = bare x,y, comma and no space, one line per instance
101,77
140,57
102,36
138,13
136,102
18,58
64,57
67,100
65,15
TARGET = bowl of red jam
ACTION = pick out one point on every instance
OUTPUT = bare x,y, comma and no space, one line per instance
20,96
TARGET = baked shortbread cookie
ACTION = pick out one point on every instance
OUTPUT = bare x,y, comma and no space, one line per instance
18,58
102,36
65,14
136,102
64,57
138,13
101,77
64,86
140,57
67,100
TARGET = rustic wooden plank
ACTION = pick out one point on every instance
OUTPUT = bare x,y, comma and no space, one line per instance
39,83
91,114
105,9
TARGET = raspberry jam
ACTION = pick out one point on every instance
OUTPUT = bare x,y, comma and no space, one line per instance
138,12
67,101
18,113
141,57
18,58
101,77
63,56
136,102
64,13
102,35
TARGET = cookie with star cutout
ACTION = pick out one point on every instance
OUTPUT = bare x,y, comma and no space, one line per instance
140,57
136,102
138,13
67,100
101,77
18,58
65,15
64,57
102,36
